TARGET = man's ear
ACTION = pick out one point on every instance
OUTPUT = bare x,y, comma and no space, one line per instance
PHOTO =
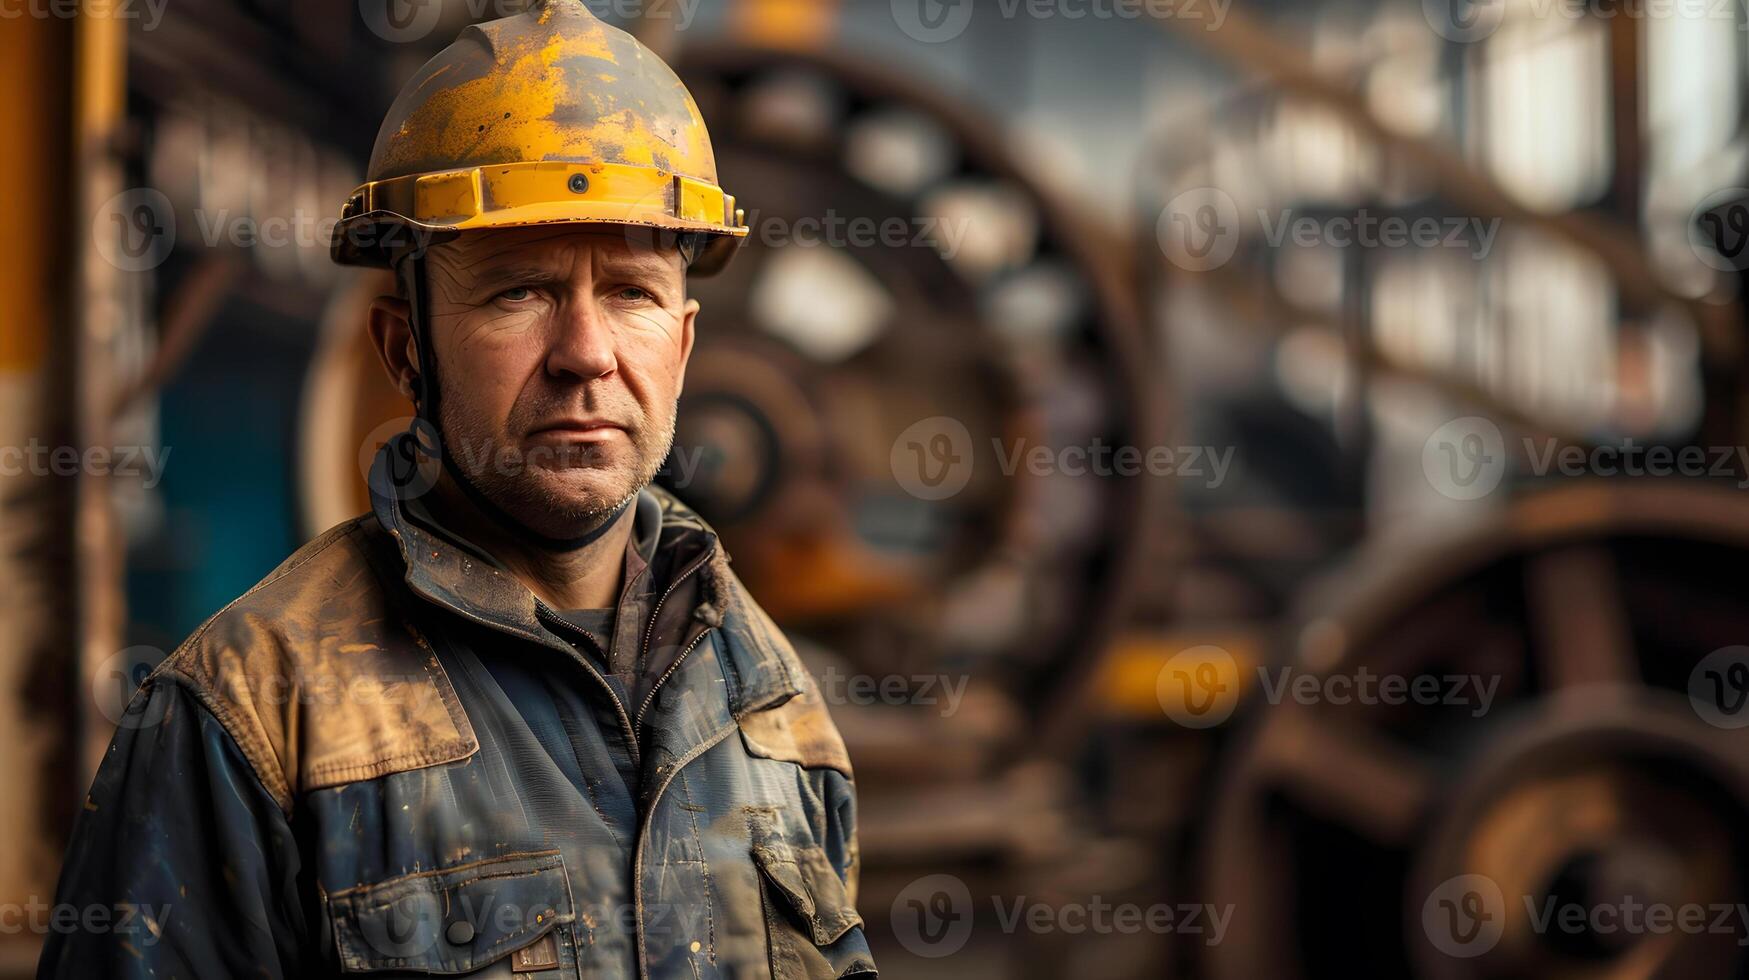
391,333
687,320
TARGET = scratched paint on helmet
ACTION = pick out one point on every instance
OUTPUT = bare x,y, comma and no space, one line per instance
558,86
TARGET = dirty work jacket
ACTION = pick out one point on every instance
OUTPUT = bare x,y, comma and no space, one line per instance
326,779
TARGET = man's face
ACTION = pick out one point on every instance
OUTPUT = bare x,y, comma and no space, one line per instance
560,357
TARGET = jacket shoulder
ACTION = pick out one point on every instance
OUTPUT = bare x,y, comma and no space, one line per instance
791,721
318,676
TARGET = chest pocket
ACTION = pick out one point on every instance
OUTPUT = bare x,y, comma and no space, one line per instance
505,917
812,929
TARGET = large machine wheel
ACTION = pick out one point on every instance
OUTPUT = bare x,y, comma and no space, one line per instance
1598,778
831,383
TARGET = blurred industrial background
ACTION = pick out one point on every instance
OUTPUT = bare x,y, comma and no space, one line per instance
1262,484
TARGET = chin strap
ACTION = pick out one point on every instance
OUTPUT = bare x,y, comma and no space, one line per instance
427,431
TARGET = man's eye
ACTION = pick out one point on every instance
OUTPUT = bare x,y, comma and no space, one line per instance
634,294
516,294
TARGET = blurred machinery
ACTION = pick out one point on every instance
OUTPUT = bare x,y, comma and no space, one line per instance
1576,308
1575,302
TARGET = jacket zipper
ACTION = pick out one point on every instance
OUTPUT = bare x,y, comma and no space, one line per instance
552,619
644,829
650,698
650,632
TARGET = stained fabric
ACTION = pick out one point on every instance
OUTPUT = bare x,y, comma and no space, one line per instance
477,799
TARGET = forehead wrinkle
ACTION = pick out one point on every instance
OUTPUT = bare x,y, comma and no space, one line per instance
452,279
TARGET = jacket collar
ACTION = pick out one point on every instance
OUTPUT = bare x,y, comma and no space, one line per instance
761,668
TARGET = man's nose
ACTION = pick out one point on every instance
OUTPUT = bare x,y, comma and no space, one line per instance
583,345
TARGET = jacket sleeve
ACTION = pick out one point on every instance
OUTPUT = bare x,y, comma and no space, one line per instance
839,793
181,864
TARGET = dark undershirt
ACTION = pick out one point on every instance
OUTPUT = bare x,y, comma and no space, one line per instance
599,624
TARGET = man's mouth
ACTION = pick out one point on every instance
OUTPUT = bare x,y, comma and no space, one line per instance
576,430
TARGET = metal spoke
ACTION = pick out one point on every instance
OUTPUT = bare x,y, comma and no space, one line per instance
1578,618
1349,774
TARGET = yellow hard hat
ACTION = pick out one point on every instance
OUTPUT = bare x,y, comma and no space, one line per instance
545,116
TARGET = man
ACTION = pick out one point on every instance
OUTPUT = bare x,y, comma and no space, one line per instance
522,719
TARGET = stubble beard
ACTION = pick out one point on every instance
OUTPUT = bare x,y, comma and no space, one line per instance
535,490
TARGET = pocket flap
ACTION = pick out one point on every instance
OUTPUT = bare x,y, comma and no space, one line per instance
810,886
452,920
